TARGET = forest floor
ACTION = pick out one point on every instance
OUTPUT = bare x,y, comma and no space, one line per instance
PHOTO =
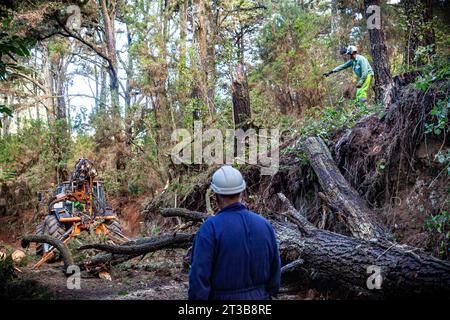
129,284
164,283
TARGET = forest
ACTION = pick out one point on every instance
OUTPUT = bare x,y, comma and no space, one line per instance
114,115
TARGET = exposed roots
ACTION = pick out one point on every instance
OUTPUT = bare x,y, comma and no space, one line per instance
377,155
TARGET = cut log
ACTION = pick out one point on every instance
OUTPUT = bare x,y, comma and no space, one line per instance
358,267
359,217
131,249
58,244
184,213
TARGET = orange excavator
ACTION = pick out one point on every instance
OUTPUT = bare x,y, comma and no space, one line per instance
77,205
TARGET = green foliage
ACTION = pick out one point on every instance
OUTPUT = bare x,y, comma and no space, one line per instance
443,157
137,182
11,46
322,122
439,224
17,149
112,178
6,268
381,165
439,114
12,287
289,77
5,110
155,230
85,238
437,69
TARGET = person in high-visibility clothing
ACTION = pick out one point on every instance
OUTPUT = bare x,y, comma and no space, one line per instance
362,69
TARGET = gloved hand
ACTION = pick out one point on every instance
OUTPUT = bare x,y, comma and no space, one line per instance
326,74
358,85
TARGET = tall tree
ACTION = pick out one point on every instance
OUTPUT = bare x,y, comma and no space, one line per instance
108,13
383,80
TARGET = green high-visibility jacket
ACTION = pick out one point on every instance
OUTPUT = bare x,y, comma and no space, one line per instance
360,65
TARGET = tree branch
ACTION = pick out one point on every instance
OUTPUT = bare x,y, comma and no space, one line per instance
88,44
292,214
182,240
58,244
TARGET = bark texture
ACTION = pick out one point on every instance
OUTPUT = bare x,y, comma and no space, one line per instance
184,213
381,67
241,100
359,217
328,260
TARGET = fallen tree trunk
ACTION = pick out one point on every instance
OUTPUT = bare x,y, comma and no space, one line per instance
327,260
330,261
184,213
131,249
359,217
58,244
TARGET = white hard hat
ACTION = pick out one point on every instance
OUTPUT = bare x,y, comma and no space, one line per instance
227,181
351,49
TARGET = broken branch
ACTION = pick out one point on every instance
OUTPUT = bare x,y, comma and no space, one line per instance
58,244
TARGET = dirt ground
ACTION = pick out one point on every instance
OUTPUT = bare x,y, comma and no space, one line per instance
145,281
125,285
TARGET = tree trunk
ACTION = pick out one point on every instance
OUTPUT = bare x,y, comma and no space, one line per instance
360,218
5,118
202,33
61,129
108,12
48,83
109,16
383,80
128,92
241,100
152,244
164,124
330,261
212,15
183,87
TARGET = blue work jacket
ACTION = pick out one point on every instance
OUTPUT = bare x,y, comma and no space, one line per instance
234,257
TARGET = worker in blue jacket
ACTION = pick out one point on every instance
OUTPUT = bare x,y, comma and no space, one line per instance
235,254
